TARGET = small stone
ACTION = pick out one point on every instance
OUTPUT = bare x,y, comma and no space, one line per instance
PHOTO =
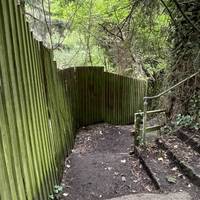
109,168
160,159
65,194
123,178
174,168
123,161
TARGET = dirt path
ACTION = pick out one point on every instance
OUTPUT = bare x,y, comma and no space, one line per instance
100,166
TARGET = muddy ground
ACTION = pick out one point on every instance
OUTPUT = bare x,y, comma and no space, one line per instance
101,167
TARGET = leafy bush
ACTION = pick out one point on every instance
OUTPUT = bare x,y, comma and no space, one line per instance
187,121
194,106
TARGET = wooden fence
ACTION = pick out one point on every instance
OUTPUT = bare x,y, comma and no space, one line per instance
98,96
41,107
36,121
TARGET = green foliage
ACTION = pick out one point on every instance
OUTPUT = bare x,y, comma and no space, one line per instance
56,191
194,106
182,120
192,119
187,121
185,59
151,40
148,25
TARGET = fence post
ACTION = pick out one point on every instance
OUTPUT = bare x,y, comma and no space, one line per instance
144,122
137,133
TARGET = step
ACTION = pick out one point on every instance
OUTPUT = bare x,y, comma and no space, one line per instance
184,156
191,138
161,170
170,196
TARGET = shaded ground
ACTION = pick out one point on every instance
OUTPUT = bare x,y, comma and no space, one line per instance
171,196
173,161
100,166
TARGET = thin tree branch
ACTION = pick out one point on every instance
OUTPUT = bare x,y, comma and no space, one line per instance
169,11
185,16
47,25
30,15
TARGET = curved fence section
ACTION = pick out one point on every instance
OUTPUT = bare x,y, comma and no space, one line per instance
98,96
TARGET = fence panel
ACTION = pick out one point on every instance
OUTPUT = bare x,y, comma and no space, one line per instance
102,96
36,130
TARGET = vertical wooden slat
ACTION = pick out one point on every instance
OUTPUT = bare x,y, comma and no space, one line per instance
8,189
40,165
42,139
21,81
46,111
39,113
11,100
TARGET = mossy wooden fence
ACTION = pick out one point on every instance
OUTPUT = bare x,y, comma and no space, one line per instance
98,96
41,107
35,115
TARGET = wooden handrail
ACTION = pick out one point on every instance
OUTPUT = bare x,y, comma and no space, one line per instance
171,88
145,112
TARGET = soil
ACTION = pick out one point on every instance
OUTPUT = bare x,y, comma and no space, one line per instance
101,167
168,176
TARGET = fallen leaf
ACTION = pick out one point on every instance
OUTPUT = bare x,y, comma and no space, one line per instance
160,159
171,179
65,194
123,178
174,168
148,188
109,168
123,161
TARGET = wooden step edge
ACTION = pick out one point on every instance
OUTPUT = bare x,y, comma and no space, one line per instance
186,169
189,140
146,168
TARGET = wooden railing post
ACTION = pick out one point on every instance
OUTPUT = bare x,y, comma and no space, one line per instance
144,122
137,132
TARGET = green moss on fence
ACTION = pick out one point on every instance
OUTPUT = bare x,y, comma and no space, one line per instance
103,97
40,108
